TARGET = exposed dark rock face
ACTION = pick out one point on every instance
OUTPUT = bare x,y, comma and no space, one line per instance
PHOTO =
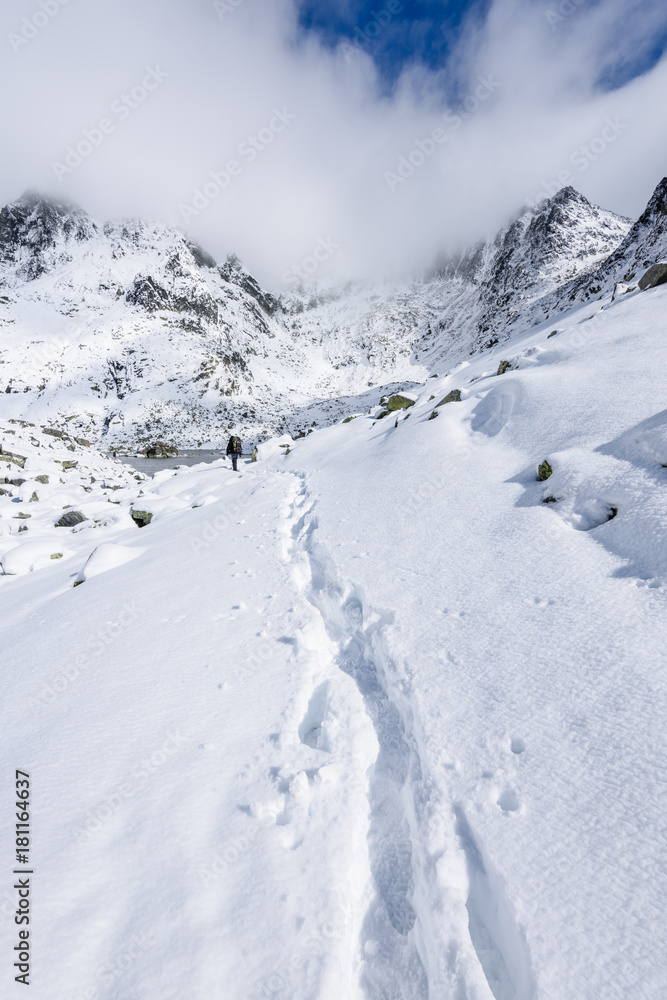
656,275
148,294
35,231
202,258
234,271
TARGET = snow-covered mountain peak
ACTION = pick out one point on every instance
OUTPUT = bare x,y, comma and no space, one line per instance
36,233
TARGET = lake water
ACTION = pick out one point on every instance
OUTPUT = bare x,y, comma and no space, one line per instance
152,465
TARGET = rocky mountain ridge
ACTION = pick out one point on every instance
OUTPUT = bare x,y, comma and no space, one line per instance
129,331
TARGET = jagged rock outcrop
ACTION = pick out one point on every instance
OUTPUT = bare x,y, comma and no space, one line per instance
233,271
36,234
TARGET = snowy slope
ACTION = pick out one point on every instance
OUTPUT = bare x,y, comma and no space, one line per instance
370,719
134,332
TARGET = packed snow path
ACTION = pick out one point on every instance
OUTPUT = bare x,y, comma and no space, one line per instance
370,720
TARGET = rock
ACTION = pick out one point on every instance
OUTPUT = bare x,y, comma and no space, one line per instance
348,419
433,415
159,449
399,402
69,464
550,500
233,271
10,456
82,442
53,432
141,517
24,527
201,257
544,471
22,516
452,397
504,366
42,479
34,498
70,519
552,334
656,275
57,555
5,493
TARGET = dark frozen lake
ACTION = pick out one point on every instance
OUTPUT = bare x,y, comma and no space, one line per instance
152,465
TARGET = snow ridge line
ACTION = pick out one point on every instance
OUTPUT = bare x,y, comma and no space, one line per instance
391,935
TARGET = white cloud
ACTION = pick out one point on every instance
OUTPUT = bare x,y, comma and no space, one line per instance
324,175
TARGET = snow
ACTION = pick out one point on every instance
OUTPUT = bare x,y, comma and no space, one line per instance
105,557
132,334
368,719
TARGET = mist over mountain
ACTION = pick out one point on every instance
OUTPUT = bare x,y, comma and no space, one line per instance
134,332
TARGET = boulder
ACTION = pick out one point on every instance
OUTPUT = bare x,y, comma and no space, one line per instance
12,457
42,479
656,275
452,397
70,519
141,517
504,366
159,449
399,402
544,471
433,415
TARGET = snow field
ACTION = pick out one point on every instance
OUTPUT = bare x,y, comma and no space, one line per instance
370,719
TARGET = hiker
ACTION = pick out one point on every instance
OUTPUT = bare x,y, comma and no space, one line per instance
234,448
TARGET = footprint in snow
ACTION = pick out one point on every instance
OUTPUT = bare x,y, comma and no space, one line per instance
591,514
310,730
509,801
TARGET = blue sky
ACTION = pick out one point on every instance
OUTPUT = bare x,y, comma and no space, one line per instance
426,31
407,30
